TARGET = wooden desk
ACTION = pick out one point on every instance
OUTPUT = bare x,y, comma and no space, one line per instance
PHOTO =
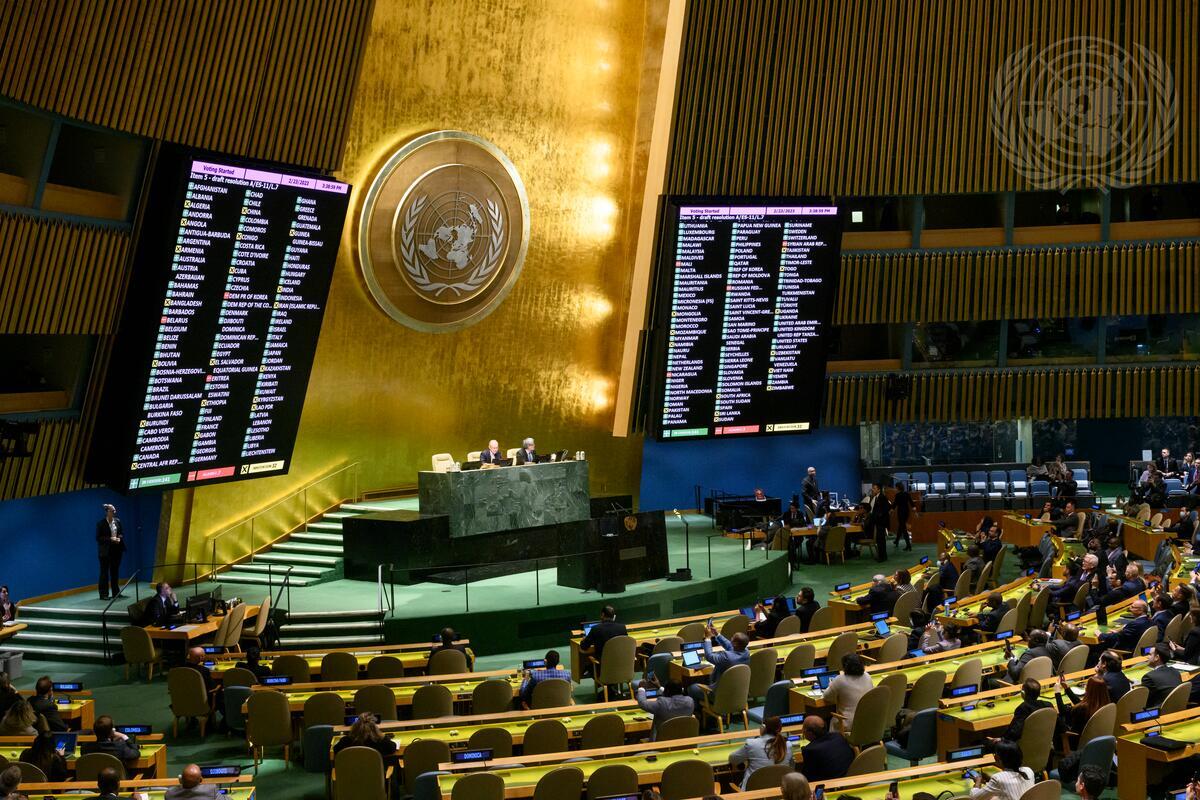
965,613
191,631
414,657
1140,540
934,779
1015,529
9,631
152,762
237,788
849,612
647,633
460,685
1140,764
79,713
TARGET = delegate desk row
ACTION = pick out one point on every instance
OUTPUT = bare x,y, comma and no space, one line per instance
413,658
152,761
233,788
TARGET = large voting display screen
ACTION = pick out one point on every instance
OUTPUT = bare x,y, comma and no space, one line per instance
211,363
746,287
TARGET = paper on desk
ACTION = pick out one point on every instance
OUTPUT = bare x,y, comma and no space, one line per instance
185,628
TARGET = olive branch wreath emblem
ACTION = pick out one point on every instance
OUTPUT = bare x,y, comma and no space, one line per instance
420,276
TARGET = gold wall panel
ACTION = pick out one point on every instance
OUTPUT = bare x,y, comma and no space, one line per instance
270,79
984,395
888,96
558,87
1110,280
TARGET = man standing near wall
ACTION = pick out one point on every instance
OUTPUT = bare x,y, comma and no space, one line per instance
110,546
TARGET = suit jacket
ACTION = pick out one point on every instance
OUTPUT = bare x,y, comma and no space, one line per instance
1118,684
486,457
1015,665
601,632
880,598
880,510
664,708
805,612
159,612
119,748
49,709
1161,619
1167,465
723,660
1127,638
462,648
1020,714
812,492
1066,592
1059,648
991,620
104,545
991,548
526,457
827,758
1160,681
205,791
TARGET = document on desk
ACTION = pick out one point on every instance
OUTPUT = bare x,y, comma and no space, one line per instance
184,628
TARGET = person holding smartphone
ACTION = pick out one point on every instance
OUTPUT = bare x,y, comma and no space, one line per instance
1012,781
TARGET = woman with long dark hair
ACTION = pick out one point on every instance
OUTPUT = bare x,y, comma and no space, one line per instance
769,747
1095,697
43,755
365,733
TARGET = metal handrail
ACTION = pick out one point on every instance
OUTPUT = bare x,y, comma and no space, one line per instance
301,492
195,565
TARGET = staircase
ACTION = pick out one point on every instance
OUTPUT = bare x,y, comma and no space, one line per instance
331,629
62,633
314,554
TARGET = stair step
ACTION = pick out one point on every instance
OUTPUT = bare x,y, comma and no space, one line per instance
258,580
72,624
293,627
323,641
320,616
317,538
54,653
291,559
331,550
325,527
298,570
59,611
359,508
96,638
338,514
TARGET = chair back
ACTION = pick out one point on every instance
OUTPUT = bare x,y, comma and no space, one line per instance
969,673
617,661
1148,638
379,700
1143,513
870,717
421,756
801,658
1041,667
237,625
324,708
235,698
474,455
927,691
1099,753
962,587
358,774
897,684
1037,611
845,644
1099,724
603,730
559,783
268,719
1156,519
261,618
238,677
492,697
1023,608
1184,628
922,736
788,626
385,666
425,786
659,665
1037,737
1008,622
441,462
545,736
498,740
692,632
997,565
835,544
188,696
137,645
738,623
894,648
32,774
822,620
731,695
338,667
762,670
1130,703
478,786
768,777
315,744
1171,633
293,666
613,780
688,778
221,636
447,662
1075,660
431,701
552,693
872,759
1177,700
1046,790
678,728
985,575
776,703
667,644
87,767
1081,596
905,604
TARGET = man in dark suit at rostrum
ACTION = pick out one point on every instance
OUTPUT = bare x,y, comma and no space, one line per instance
527,455
878,516
492,454
110,546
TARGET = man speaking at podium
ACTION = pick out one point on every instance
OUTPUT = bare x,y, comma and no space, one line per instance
492,454
527,455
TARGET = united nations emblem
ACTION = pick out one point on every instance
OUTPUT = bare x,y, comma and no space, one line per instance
442,231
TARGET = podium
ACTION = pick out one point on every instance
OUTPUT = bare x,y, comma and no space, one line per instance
618,549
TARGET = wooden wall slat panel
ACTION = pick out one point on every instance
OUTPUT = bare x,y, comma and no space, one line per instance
272,79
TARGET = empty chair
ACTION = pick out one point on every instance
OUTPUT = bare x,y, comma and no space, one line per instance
254,633
962,587
442,462
801,658
768,777
1040,668
1177,700
1046,790
939,483
1018,483
692,632
478,786
315,744
1156,519
559,783
922,738
552,693
602,730
379,700
775,704
189,698
1074,661
140,651
872,759
919,481
545,736
492,697
1098,753
835,545
358,774
822,620
905,605
1130,703
894,648
845,644
1082,483
616,666
238,676
1037,738
1039,491
383,667
498,740
668,644
421,756
998,483
431,701
293,666
1037,609
689,778
900,477
969,673
897,684
978,482
1099,724
88,767
235,697
959,482
268,724
613,780
324,708
474,455
927,690
32,774
729,698
738,623
762,671
447,662
339,667
678,728
788,626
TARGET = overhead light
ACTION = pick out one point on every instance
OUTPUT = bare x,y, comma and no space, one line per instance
856,216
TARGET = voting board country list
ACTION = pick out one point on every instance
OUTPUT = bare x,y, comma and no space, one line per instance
746,289
244,252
